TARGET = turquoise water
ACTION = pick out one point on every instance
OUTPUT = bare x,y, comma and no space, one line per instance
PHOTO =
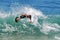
43,27
24,38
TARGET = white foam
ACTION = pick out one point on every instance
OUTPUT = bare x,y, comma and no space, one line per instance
27,10
47,27
33,12
57,38
3,15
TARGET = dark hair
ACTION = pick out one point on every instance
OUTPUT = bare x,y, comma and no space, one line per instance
16,19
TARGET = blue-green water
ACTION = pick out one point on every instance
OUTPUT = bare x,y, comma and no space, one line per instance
43,27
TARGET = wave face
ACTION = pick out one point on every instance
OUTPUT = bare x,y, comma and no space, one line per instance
8,24
41,24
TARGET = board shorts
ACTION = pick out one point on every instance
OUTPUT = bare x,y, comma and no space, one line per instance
23,16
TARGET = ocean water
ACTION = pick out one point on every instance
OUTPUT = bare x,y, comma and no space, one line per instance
43,27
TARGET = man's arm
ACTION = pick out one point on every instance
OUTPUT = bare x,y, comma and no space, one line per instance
30,18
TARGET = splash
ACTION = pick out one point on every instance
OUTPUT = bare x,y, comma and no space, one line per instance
48,28
40,22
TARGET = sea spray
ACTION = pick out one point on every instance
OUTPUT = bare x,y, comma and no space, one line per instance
41,24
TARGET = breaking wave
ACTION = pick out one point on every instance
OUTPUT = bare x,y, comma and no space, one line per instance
41,23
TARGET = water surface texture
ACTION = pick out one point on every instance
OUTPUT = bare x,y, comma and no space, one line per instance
45,20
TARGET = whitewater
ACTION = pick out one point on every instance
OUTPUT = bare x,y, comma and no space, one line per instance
43,27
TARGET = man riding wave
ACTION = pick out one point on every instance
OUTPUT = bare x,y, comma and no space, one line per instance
23,16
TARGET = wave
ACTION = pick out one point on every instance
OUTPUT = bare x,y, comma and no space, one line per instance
40,22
